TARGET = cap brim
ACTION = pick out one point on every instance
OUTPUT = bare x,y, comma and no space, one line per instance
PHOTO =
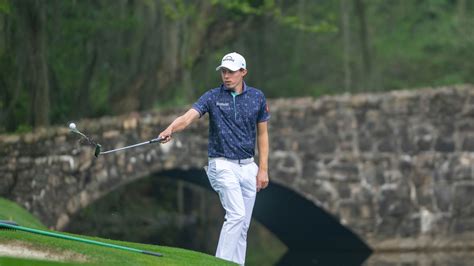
228,66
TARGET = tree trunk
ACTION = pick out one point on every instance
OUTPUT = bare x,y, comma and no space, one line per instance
8,93
34,67
364,42
83,100
461,6
346,40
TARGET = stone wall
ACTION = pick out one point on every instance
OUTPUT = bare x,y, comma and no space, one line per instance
396,168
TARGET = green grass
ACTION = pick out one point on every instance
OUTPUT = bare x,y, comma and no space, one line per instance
11,211
94,255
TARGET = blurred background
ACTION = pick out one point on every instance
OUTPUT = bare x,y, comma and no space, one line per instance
68,60
64,60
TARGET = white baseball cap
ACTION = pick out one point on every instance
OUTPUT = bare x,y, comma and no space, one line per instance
233,62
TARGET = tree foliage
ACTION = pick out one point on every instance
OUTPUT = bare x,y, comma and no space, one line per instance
64,60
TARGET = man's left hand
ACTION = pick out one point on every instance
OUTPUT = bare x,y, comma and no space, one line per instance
262,179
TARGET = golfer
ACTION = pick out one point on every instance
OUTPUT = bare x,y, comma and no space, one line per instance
238,116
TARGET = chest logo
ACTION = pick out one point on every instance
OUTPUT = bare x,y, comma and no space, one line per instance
222,104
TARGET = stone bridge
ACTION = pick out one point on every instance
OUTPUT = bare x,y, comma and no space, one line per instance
395,169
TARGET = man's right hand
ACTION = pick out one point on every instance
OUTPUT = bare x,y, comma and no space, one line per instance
166,135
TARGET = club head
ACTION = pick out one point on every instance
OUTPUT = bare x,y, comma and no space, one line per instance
75,130
97,150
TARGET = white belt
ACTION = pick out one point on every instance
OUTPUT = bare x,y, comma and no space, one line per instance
238,161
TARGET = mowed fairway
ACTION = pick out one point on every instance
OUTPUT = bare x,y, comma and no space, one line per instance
23,248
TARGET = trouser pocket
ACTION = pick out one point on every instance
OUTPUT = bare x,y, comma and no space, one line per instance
211,171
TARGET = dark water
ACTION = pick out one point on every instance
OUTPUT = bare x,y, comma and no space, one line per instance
287,229
461,258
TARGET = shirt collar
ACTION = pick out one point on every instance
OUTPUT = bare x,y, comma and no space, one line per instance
229,90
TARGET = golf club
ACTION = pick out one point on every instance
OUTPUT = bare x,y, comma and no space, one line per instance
14,226
98,147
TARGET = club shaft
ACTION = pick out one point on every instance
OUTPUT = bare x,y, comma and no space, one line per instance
84,136
127,147
73,238
79,132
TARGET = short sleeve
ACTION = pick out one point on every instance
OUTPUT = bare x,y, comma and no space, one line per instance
202,104
264,112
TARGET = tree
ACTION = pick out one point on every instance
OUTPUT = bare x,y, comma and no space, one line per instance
360,9
346,33
33,66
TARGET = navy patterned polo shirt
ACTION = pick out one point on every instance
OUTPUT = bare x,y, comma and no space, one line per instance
233,120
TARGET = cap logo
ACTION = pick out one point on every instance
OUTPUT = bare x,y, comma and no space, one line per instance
228,58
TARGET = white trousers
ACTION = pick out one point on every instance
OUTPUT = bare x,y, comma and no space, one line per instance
236,185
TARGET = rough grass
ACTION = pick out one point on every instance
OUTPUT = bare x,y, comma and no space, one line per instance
77,253
11,211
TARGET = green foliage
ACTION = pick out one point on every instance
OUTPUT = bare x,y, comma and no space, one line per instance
270,9
5,6
176,9
295,22
108,57
426,46
23,128
247,7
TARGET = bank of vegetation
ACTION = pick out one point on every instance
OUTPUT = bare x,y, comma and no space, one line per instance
23,248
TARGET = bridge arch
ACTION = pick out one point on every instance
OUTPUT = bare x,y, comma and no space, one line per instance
309,233
297,222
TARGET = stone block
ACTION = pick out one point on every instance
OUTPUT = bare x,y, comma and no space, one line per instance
348,210
363,195
405,165
442,196
365,143
445,104
468,143
406,143
444,144
6,182
409,227
462,172
323,191
345,171
387,228
344,190
424,143
394,201
466,125
323,144
387,144
373,170
363,225
463,225
441,224
463,203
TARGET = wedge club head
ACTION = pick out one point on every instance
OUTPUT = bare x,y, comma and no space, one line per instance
98,147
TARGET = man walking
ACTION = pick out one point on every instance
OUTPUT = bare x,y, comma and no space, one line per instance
238,118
